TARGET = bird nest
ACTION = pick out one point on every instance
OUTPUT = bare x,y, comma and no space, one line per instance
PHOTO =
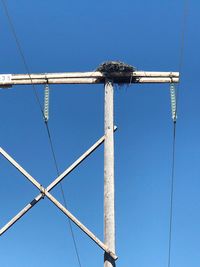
119,72
110,67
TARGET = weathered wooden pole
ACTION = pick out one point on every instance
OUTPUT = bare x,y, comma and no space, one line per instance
109,198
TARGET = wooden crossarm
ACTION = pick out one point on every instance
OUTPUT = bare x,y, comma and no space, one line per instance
95,77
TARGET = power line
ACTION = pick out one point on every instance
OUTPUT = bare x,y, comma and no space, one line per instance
46,123
182,47
20,50
62,192
181,57
172,193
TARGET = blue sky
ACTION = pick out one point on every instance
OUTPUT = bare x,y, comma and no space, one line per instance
58,36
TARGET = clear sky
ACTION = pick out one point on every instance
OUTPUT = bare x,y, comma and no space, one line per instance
59,36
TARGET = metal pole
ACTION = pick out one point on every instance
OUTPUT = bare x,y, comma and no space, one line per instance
109,210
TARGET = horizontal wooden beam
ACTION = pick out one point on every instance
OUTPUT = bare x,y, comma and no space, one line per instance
8,80
95,74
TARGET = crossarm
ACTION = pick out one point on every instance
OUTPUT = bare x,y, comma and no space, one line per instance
8,80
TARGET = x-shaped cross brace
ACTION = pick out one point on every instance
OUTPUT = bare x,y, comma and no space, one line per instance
45,192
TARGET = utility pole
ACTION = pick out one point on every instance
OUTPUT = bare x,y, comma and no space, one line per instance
109,196
9,80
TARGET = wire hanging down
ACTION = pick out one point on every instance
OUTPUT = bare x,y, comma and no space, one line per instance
173,101
46,103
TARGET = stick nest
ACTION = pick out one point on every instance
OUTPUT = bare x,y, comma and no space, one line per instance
110,67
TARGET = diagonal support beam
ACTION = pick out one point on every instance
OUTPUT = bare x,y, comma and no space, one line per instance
58,204
81,226
55,201
53,184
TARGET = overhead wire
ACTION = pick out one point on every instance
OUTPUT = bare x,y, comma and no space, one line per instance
181,58
63,194
20,50
18,44
172,194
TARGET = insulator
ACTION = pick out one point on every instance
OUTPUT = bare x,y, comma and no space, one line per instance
173,101
46,102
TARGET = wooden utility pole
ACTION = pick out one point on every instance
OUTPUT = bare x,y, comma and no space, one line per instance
9,80
109,197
